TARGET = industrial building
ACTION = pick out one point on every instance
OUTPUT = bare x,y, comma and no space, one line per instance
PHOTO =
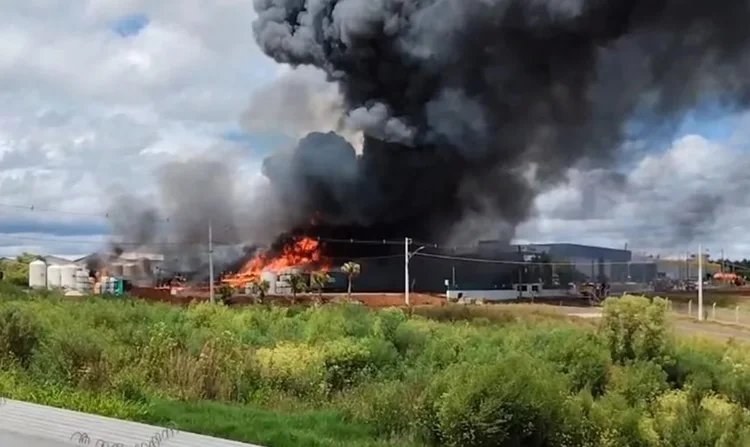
431,267
686,269
597,263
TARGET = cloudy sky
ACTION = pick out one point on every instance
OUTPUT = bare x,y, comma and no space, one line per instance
97,94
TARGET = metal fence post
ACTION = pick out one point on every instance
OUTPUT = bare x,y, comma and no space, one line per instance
713,311
690,308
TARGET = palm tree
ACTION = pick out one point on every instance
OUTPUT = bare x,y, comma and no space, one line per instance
259,288
297,283
318,281
352,270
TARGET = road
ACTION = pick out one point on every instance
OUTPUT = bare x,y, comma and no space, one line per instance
8,439
682,325
24,424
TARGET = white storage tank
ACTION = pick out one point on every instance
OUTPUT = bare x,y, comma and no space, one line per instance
68,276
83,284
270,277
54,277
38,274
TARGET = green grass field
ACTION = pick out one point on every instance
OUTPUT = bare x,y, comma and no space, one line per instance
343,375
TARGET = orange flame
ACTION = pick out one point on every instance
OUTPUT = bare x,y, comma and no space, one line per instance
303,252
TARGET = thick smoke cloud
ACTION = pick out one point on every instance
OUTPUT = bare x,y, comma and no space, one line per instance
471,108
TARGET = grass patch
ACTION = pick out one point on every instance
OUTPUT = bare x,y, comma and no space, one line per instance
242,423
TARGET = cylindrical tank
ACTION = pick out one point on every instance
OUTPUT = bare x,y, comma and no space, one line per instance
116,269
269,277
68,276
54,276
129,271
83,284
38,274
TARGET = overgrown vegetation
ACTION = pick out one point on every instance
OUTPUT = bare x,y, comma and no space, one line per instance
342,375
16,271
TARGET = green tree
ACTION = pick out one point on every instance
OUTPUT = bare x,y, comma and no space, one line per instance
298,283
352,270
318,281
259,288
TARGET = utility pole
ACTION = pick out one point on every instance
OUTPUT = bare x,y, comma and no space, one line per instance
700,282
722,260
211,263
407,258
406,270
630,259
520,272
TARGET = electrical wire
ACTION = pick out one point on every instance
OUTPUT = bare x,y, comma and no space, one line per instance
510,262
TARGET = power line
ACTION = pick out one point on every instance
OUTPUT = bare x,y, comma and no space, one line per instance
52,210
510,262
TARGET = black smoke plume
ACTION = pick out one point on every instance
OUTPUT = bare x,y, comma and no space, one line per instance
471,108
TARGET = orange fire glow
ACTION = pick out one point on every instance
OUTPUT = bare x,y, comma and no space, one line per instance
302,252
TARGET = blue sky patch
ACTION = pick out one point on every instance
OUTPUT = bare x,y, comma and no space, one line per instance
130,25
52,228
261,144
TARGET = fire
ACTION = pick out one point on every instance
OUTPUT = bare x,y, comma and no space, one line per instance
302,252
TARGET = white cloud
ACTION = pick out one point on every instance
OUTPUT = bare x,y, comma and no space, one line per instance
85,108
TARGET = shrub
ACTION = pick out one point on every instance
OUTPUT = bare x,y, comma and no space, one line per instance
514,402
639,382
19,335
636,329
452,375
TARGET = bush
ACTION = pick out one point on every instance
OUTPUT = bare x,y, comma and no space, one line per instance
19,335
515,402
453,375
636,329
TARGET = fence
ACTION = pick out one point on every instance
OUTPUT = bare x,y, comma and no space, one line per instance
737,314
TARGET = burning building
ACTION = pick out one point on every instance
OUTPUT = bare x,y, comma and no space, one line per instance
382,265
